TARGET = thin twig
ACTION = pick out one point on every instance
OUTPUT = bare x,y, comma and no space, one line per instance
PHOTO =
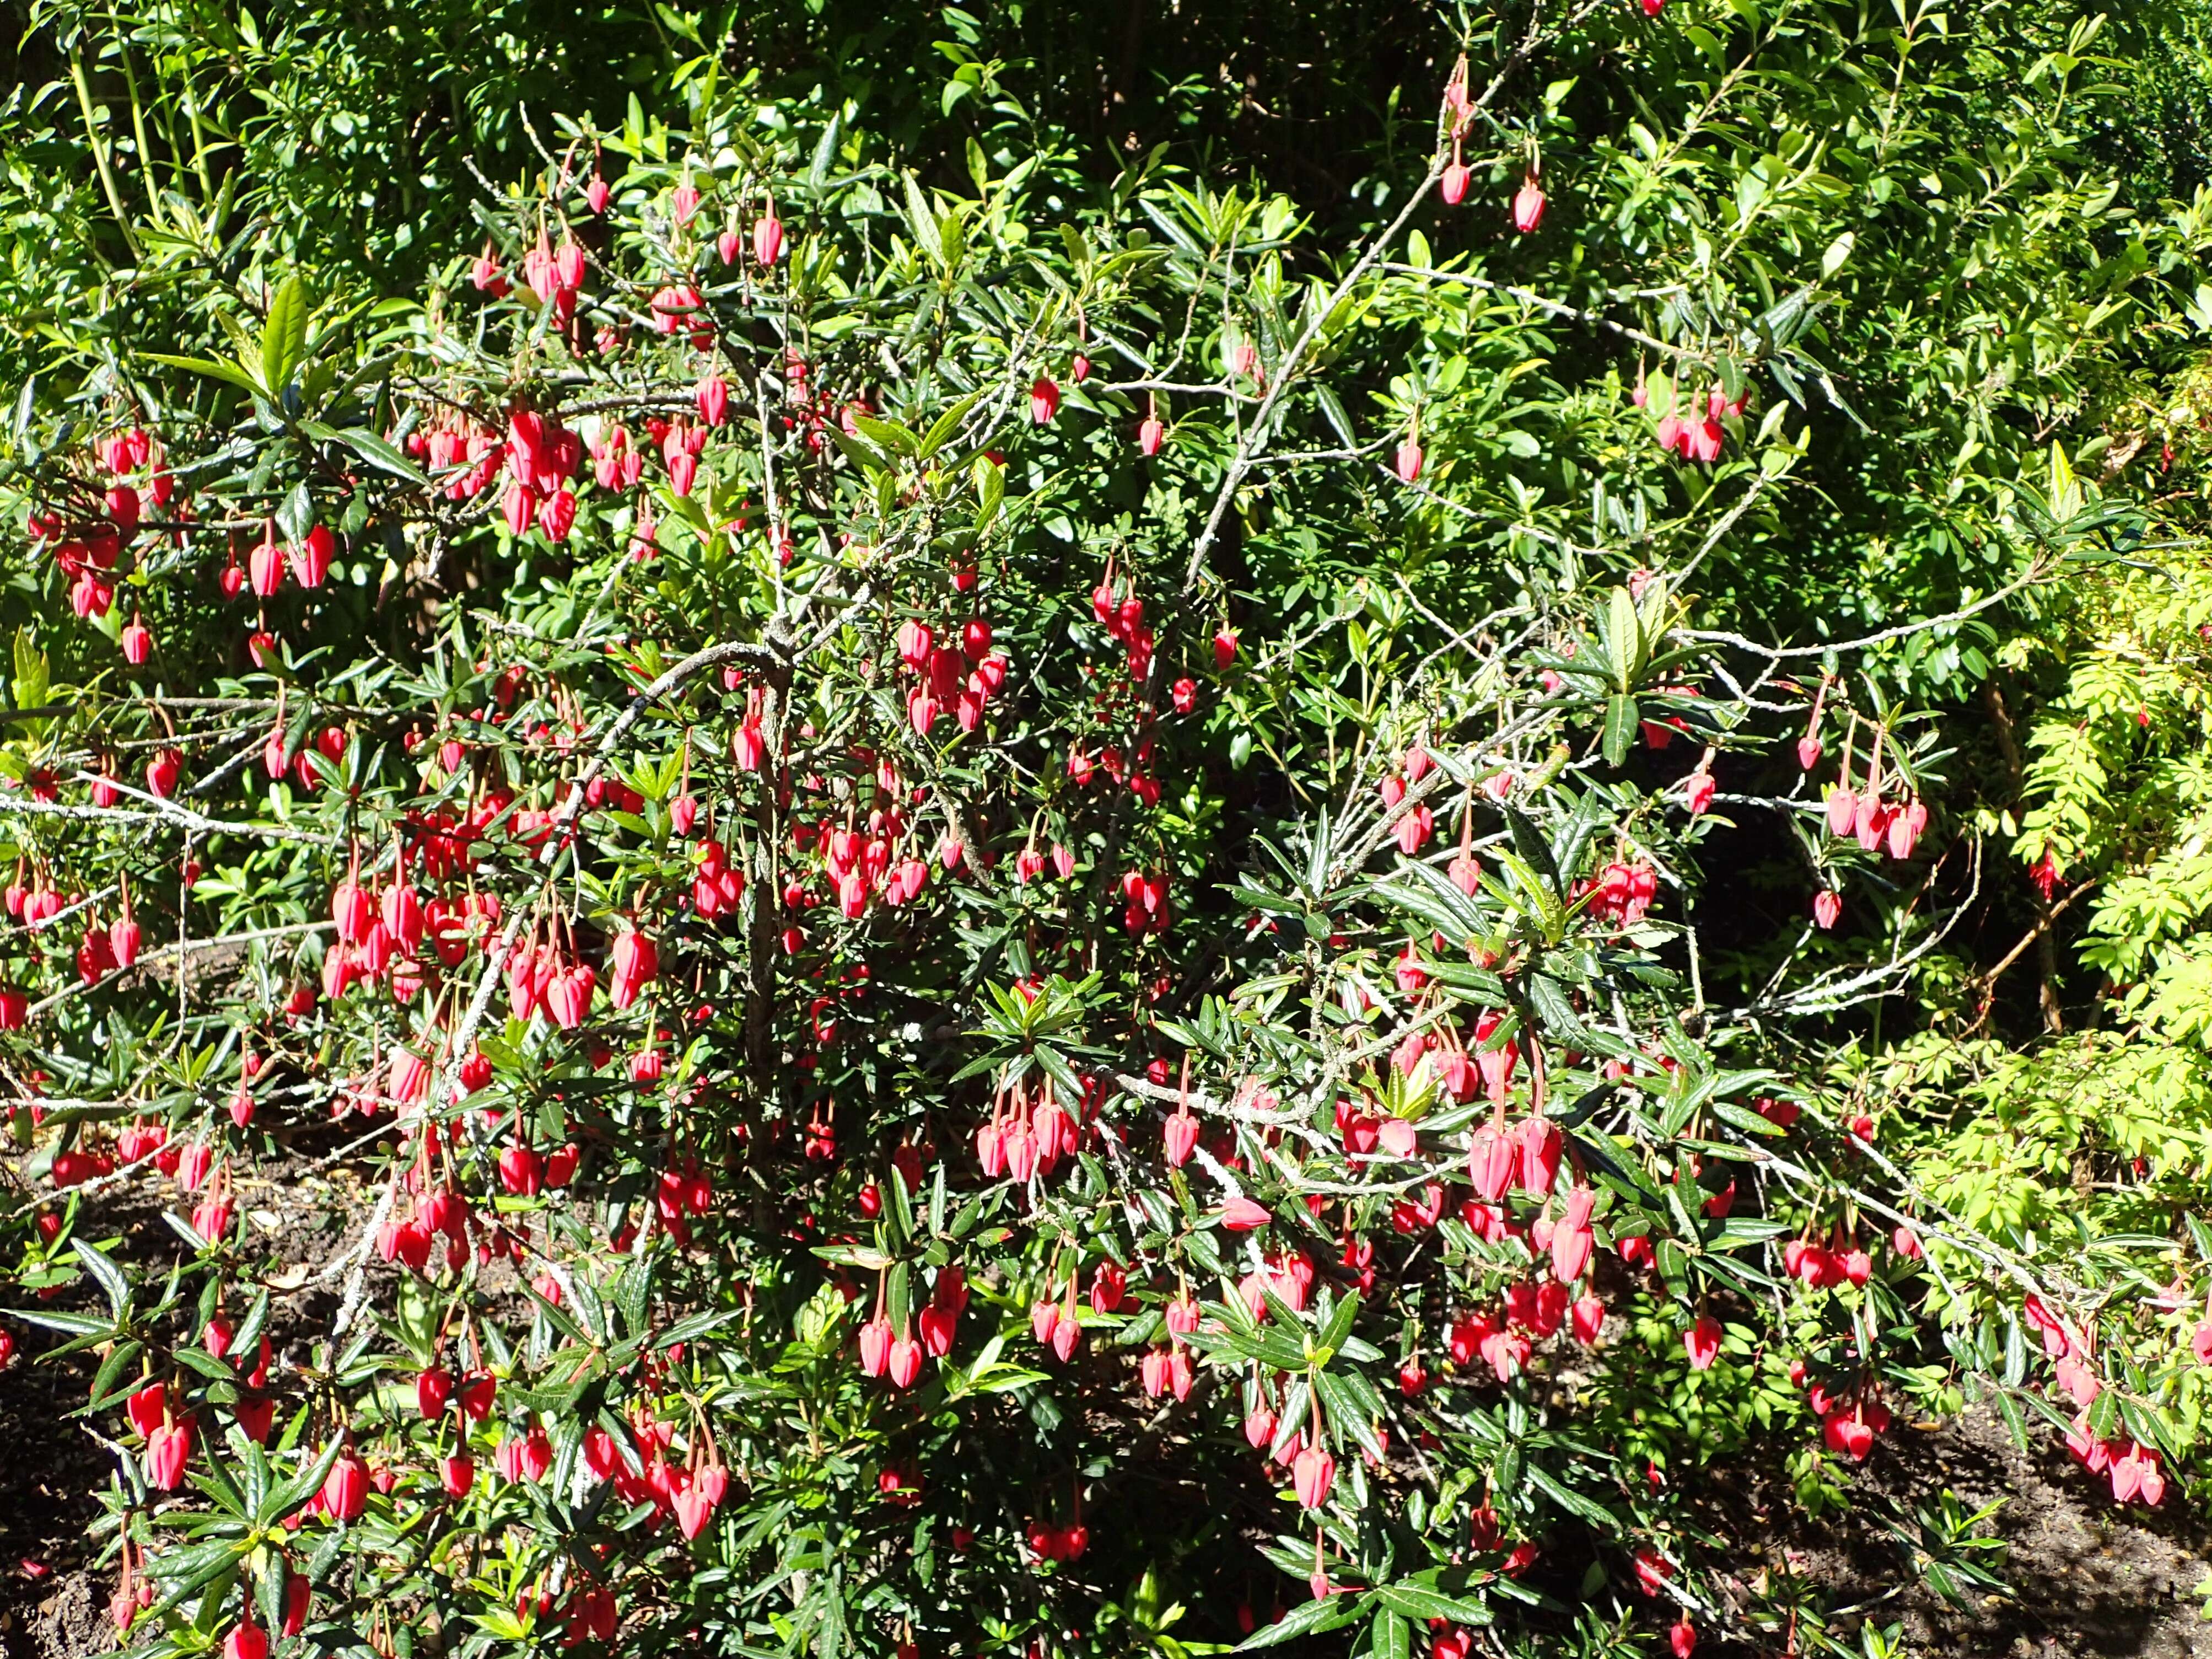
2034,574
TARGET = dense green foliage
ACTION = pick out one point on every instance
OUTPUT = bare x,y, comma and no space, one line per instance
1292,615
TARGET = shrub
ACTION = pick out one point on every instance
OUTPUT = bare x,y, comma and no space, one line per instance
999,893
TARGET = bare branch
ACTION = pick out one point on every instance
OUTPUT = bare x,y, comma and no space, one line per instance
2035,573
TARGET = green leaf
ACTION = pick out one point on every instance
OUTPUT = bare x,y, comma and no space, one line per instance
1531,846
861,449
1308,1618
900,1216
296,513
1348,1412
1620,723
1573,1502
1556,1012
250,1327
194,1568
301,1486
942,428
30,685
825,152
283,335
373,450
1057,1068
110,1277
887,435
990,482
921,220
1340,1321
197,1359
230,374
1428,893
1623,640
213,1478
1333,407
120,1359
1426,1602
73,1324
687,1330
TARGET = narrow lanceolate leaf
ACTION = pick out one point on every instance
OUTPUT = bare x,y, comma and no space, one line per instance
283,335
292,1493
73,1324
1423,1602
112,1285
1624,641
237,374
1351,1411
1621,726
1308,1618
379,454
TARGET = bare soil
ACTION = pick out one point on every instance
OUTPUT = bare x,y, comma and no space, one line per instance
2084,1579
52,1606
2088,1577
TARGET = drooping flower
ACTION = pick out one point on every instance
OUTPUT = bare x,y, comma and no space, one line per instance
1179,1136
1702,1342
1528,206
1313,1472
345,1488
1409,459
1242,1215
767,237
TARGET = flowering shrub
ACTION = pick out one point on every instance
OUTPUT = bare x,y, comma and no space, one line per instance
920,974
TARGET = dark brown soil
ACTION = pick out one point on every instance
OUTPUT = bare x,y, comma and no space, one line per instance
2084,1579
48,1470
52,1605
